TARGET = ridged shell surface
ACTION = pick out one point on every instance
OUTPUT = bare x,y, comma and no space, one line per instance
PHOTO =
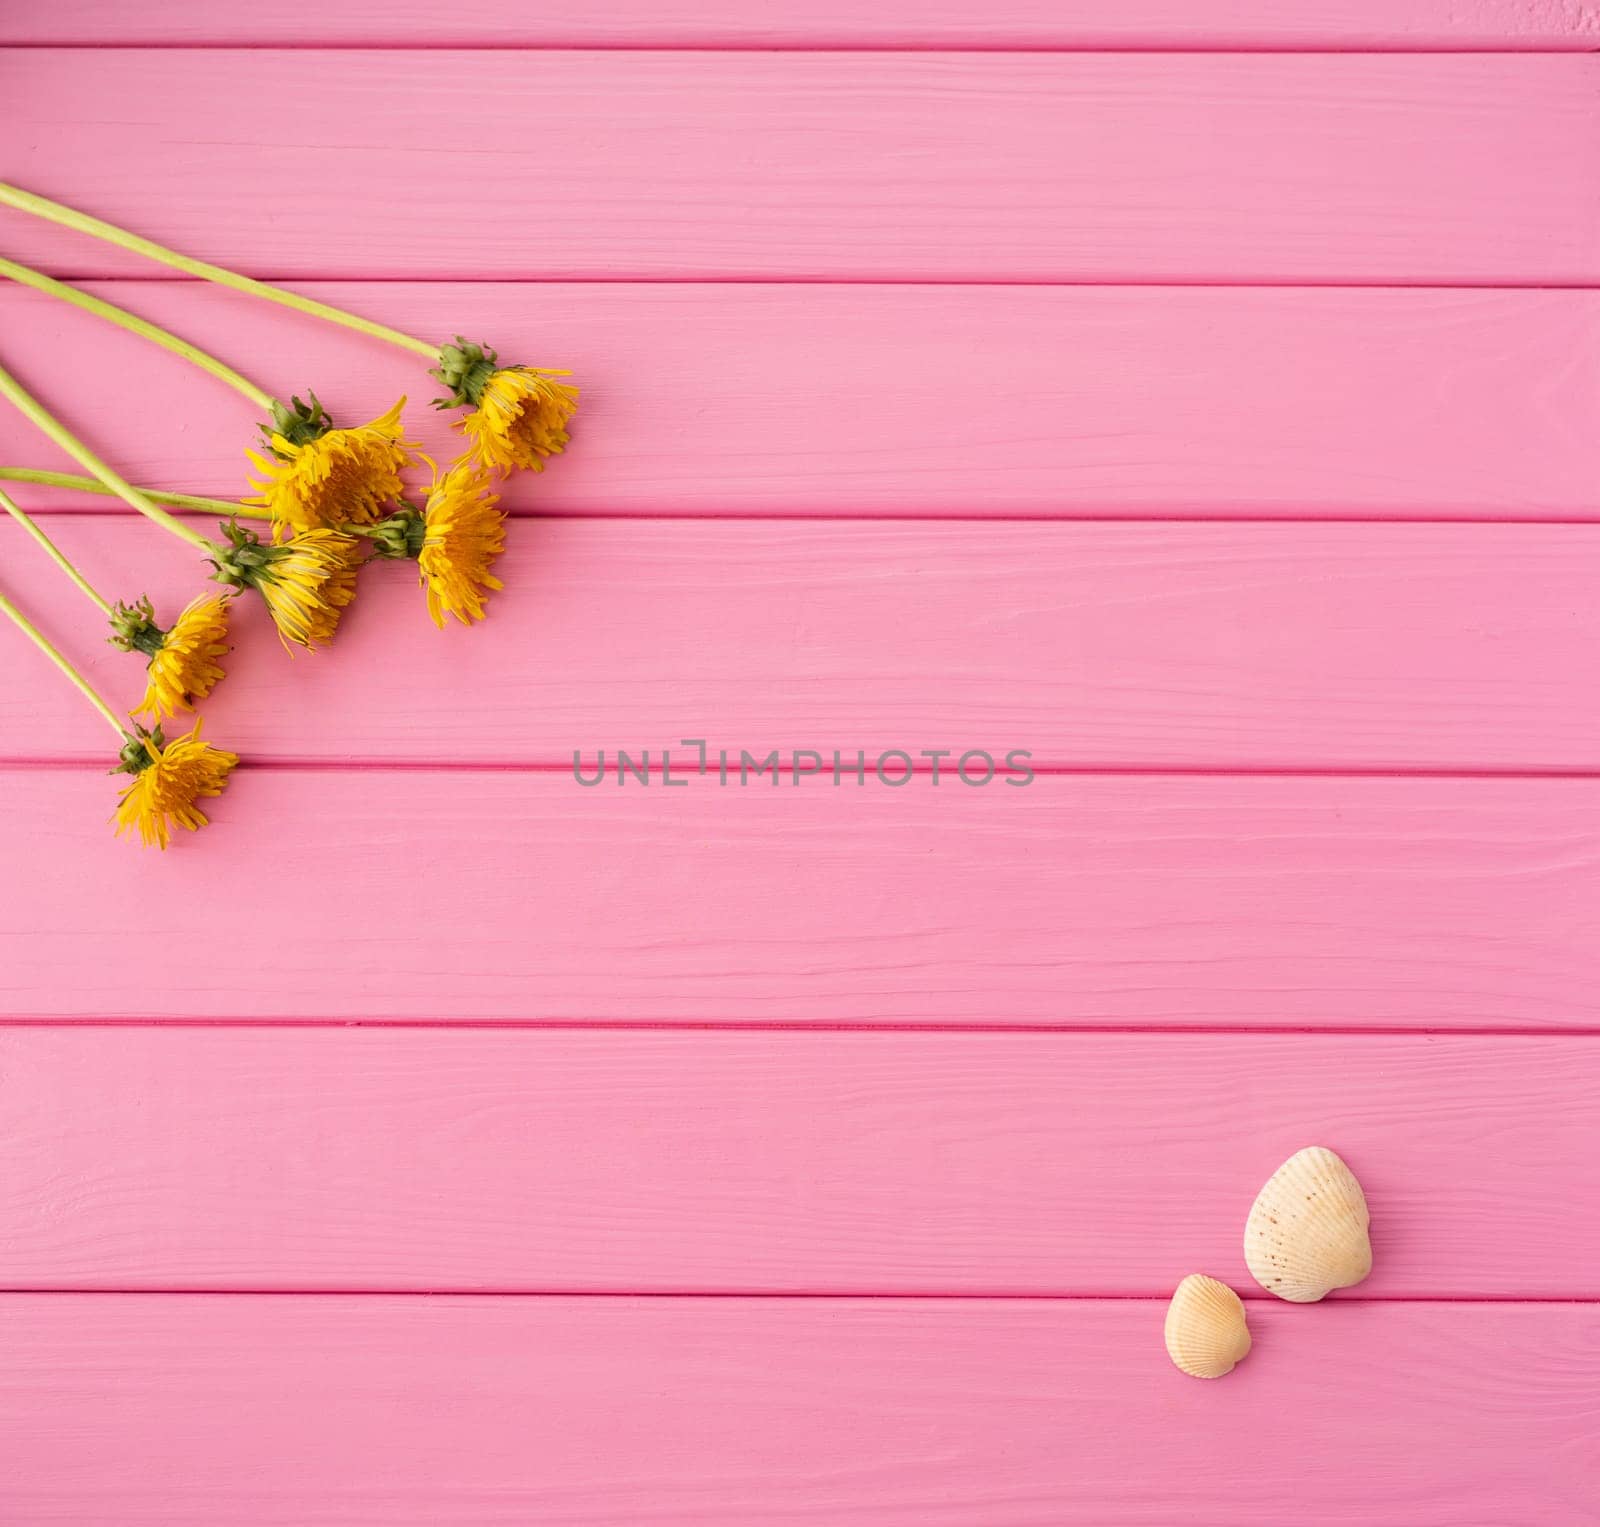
1206,1331
1307,1230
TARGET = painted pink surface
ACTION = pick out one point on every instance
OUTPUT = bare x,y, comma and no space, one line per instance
193,1410
862,1163
987,166
507,895
907,24
1178,645
800,291
953,401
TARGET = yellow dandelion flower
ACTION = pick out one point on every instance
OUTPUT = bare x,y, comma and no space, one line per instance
307,589
463,532
168,778
521,418
184,664
519,413
318,478
307,581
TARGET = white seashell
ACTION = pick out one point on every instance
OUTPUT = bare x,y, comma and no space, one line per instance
1206,1330
1307,1230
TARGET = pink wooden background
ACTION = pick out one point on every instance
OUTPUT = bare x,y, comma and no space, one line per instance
1204,394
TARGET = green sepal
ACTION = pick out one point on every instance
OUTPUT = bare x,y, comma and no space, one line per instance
135,756
398,536
134,628
299,423
246,560
465,368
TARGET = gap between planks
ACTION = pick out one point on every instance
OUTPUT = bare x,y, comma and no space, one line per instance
63,270
356,763
830,1027
1022,26
921,49
1075,515
805,1296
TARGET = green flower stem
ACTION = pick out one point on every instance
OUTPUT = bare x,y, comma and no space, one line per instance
76,484
31,409
81,222
90,693
52,551
25,276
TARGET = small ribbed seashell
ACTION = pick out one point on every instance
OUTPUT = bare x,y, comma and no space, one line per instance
1307,1231
1206,1331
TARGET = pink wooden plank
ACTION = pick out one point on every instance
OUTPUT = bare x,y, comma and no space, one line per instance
1373,24
819,400
369,1159
508,895
193,1410
1023,167
1200,645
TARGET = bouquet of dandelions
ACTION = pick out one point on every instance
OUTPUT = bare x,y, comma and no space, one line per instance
326,498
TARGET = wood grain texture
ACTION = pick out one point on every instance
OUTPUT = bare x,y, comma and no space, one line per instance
505,895
1347,167
839,400
192,1410
865,1163
901,24
421,1014
1138,645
